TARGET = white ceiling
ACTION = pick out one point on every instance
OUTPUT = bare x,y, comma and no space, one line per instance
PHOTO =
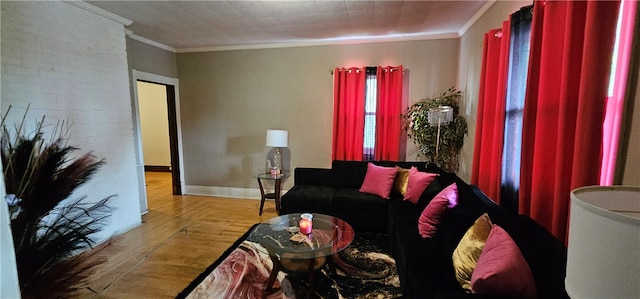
185,26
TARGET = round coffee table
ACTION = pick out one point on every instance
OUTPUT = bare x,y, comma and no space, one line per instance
290,250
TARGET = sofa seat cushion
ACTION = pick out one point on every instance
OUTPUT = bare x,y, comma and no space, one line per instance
365,212
407,249
306,198
420,275
402,215
451,229
350,199
422,263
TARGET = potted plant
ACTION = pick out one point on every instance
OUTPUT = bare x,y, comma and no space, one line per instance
49,223
439,138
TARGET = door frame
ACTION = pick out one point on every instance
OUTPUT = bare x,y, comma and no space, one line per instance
177,167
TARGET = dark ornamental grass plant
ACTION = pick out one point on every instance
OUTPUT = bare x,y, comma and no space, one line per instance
50,229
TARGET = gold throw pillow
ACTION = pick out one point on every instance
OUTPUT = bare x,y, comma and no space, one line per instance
466,255
400,183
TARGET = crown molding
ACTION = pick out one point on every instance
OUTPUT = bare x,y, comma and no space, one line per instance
147,41
476,17
99,11
327,42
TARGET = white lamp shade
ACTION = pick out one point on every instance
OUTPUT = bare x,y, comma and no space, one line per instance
603,253
277,138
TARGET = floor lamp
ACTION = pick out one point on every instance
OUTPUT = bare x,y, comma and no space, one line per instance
277,139
439,116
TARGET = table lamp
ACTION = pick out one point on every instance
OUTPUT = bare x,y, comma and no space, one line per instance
277,139
603,252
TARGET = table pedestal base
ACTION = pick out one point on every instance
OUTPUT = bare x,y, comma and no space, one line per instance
300,266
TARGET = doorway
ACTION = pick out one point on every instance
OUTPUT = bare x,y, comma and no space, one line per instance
165,119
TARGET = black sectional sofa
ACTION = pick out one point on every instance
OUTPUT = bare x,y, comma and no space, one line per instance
425,265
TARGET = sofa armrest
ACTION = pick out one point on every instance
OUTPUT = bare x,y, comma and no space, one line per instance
312,176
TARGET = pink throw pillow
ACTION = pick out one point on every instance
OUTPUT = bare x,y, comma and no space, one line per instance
416,183
501,268
431,215
378,180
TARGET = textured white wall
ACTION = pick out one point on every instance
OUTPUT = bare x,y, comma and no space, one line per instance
71,65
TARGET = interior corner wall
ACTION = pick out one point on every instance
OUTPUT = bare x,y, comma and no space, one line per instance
230,98
469,72
146,58
71,65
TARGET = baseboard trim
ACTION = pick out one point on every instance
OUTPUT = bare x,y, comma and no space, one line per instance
248,193
157,168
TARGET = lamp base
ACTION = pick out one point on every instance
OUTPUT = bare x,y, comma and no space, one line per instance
277,159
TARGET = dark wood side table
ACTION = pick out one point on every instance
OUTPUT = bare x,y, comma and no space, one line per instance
277,179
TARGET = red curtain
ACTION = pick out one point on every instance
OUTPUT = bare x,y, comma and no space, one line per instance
348,113
388,110
487,156
571,51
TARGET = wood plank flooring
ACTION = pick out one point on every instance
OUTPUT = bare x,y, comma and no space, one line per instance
179,238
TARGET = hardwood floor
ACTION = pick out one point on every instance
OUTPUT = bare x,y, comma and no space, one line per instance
180,237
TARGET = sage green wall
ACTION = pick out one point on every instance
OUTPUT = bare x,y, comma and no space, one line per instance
230,98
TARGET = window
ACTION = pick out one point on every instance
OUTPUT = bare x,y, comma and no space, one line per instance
616,93
366,117
371,100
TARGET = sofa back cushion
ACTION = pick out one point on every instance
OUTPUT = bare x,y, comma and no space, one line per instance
421,166
428,194
545,254
348,174
312,176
